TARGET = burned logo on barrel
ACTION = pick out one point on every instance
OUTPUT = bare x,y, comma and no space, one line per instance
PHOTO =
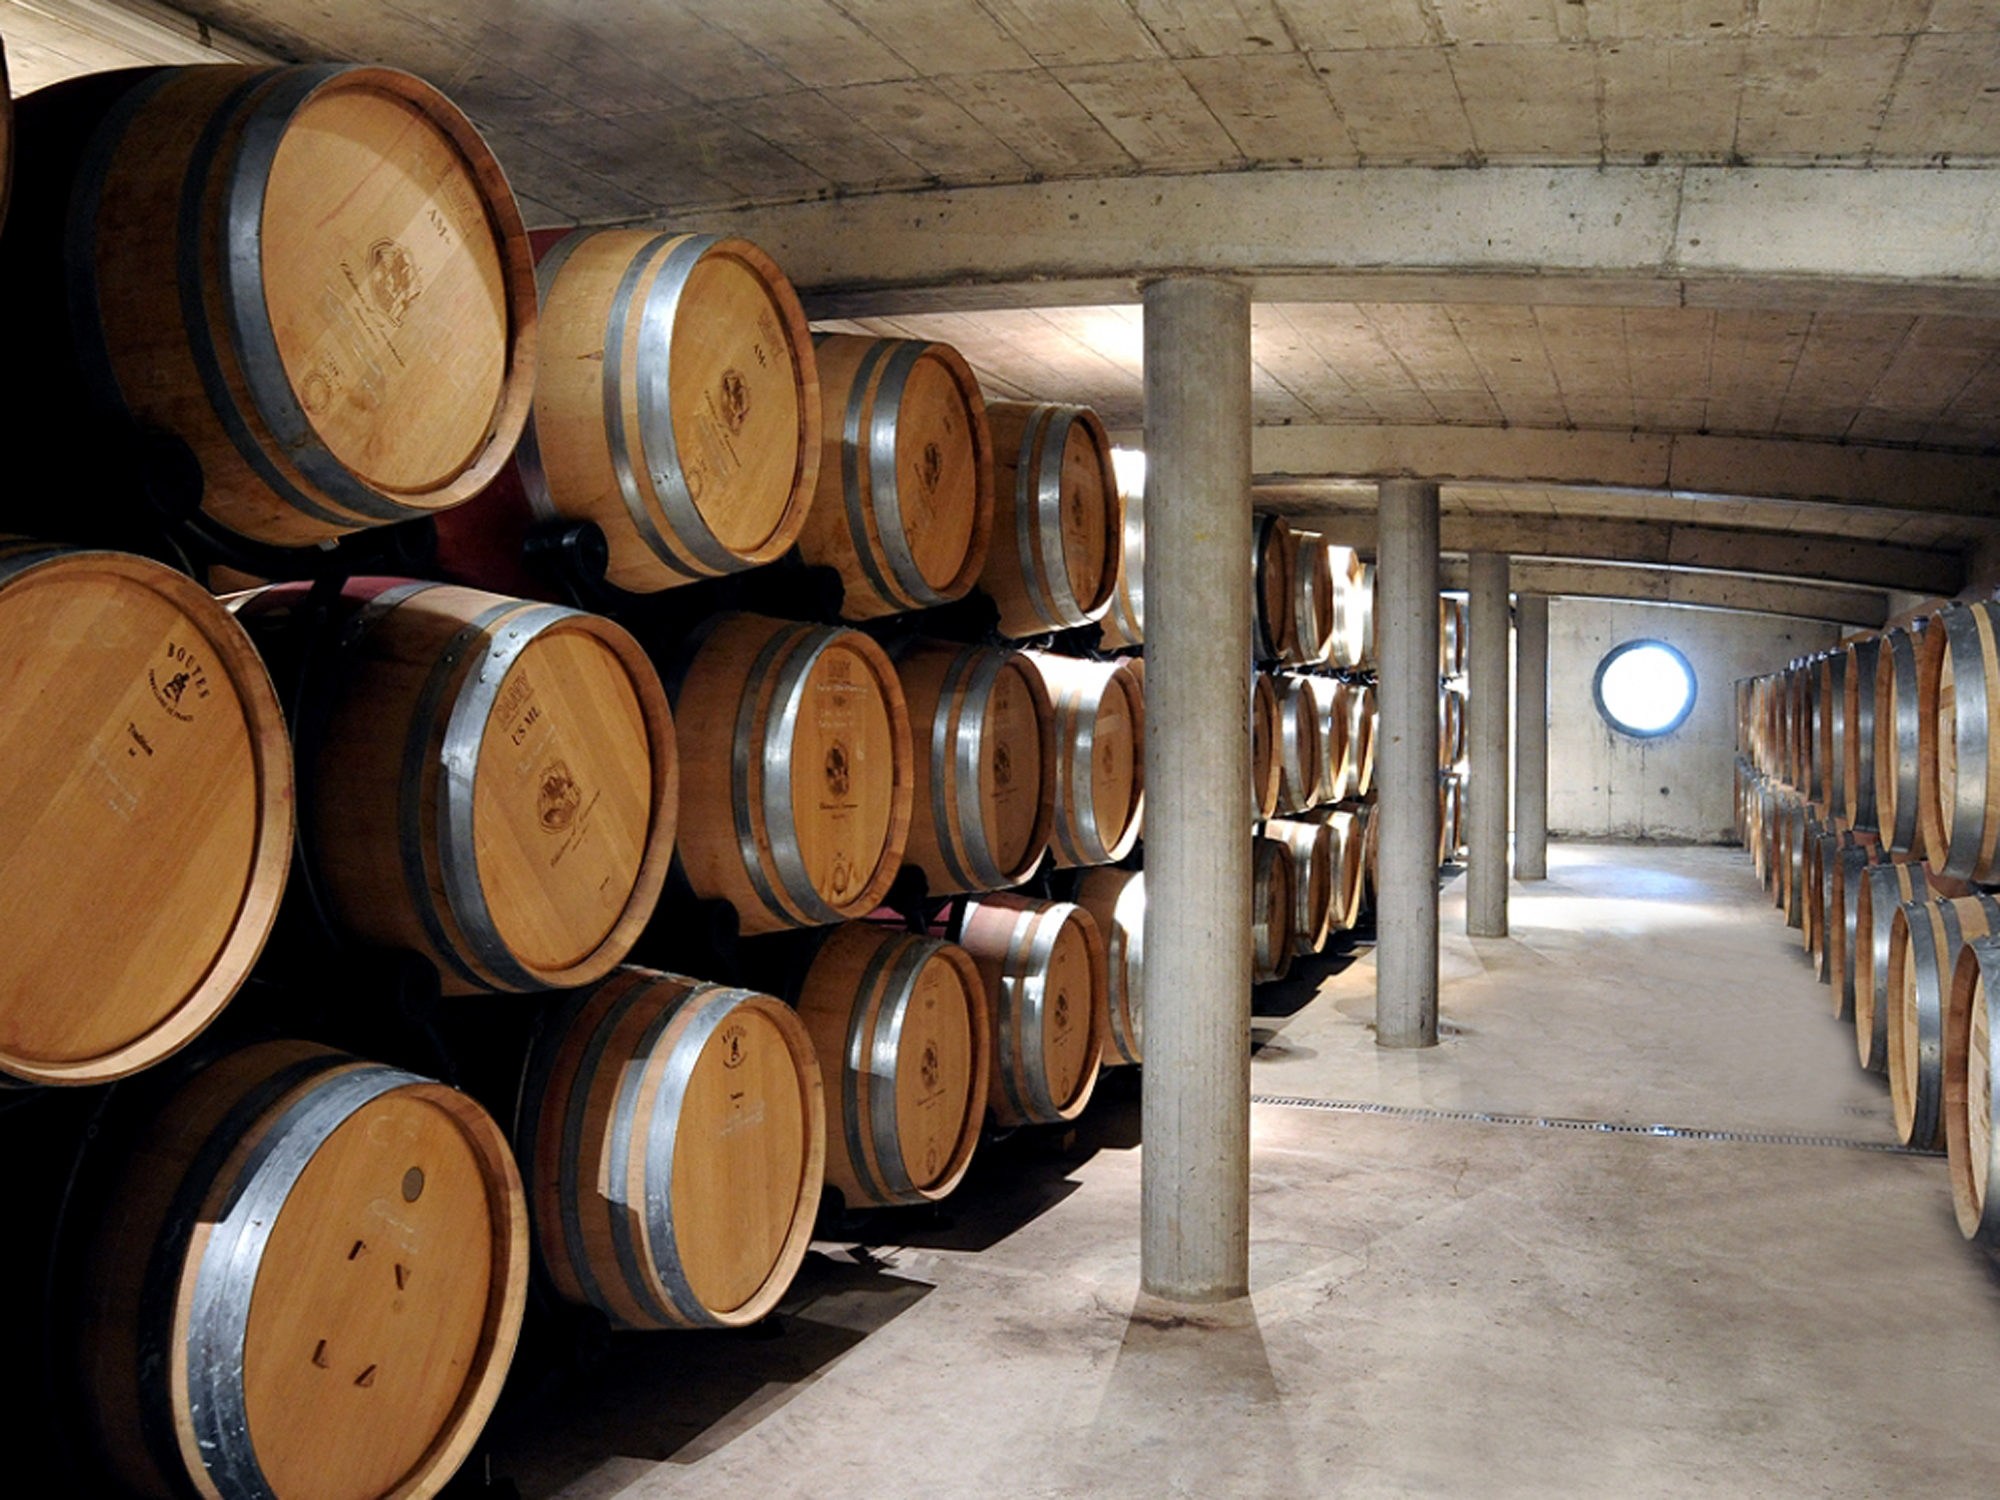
559,797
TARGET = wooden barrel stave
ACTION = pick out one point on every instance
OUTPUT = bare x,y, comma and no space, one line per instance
150,786
311,415
1858,730
492,784
1897,733
674,1137
1925,937
1958,776
1055,515
796,770
1116,901
1274,635
901,1028
984,771
247,1219
1267,772
1271,910
1100,757
1971,1129
1043,966
906,500
679,405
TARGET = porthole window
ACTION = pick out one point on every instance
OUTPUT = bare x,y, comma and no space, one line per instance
1644,688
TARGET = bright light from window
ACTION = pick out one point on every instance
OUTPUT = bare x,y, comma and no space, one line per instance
1130,466
1645,688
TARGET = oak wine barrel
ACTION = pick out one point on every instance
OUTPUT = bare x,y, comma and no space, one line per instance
1452,626
1043,966
1301,746
984,768
1969,1061
1885,887
1336,773
796,770
1312,598
1924,939
1116,901
673,1135
1351,827
147,808
1858,730
901,1029
904,510
1100,756
1846,871
1271,910
1348,643
1958,755
1058,531
1124,622
309,1281
1314,848
316,277
1897,729
1830,731
1362,722
678,405
1266,736
1272,636
488,782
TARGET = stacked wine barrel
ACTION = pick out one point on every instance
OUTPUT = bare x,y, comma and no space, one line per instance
1314,717
549,664
1868,794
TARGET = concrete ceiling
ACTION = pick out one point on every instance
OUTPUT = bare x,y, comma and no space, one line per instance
1732,263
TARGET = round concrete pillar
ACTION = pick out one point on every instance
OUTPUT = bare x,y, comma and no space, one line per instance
1531,739
1486,729
1406,765
1195,1166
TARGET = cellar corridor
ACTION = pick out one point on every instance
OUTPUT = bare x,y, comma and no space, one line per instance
1470,1275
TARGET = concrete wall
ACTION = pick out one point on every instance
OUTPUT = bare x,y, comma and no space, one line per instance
1679,786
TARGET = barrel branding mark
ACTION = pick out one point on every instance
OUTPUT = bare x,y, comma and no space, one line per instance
558,798
180,683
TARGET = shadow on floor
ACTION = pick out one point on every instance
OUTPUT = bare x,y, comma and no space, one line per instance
578,1403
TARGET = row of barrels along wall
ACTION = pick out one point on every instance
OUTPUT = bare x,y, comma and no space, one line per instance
463,735
464,743
1868,792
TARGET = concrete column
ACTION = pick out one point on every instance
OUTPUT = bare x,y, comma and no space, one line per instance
1531,740
1195,1169
1486,731
1406,765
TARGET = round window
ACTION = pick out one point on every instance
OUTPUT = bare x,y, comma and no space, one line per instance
1644,688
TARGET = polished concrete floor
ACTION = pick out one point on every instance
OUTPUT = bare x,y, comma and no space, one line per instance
1469,1290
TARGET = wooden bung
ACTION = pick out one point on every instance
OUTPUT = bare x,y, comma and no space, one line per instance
308,1281
491,783
1116,901
984,764
673,1134
901,1028
796,770
316,277
1042,963
148,809
1100,729
678,406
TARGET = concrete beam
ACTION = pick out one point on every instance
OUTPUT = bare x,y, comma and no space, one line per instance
1691,464
1670,544
1614,236
1860,607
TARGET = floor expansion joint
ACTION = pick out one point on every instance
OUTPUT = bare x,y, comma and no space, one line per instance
1598,1127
